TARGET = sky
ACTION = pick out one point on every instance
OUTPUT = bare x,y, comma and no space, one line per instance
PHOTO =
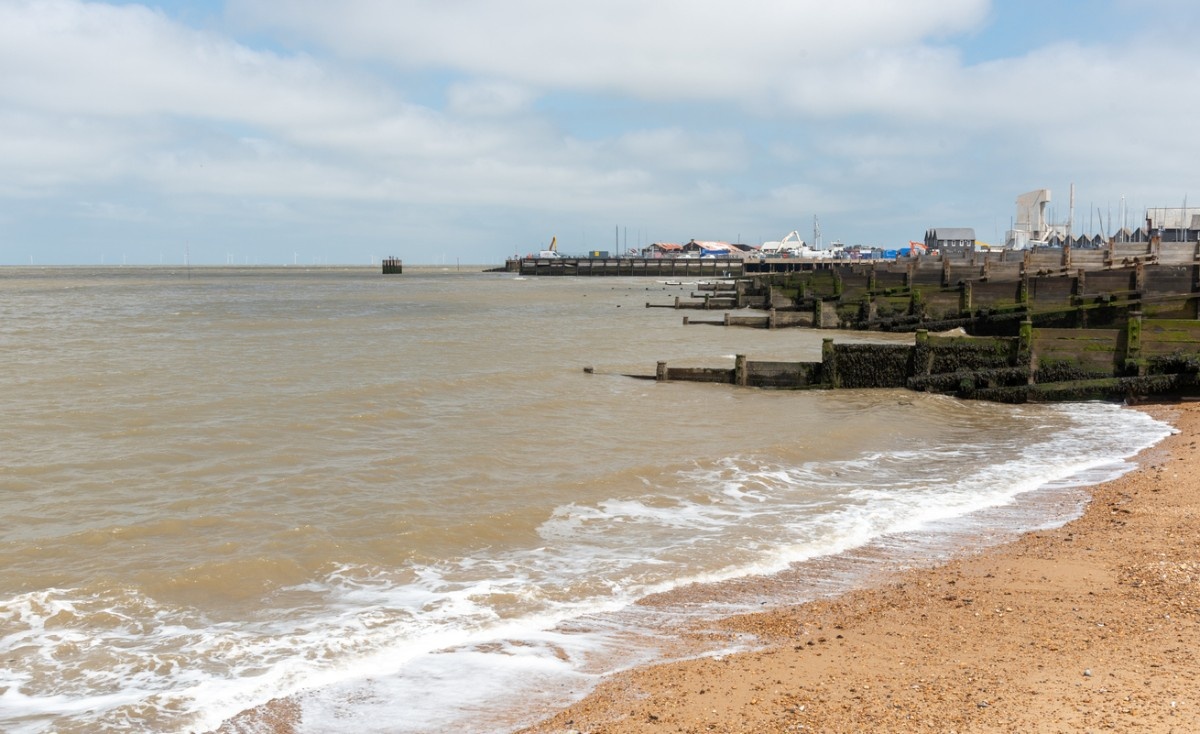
468,131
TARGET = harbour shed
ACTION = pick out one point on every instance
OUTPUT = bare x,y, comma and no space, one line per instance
664,249
950,239
708,247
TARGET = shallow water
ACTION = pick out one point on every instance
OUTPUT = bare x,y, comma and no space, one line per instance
404,500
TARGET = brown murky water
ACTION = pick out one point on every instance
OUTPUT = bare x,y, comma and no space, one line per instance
226,486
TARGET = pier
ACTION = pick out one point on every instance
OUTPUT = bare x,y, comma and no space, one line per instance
665,267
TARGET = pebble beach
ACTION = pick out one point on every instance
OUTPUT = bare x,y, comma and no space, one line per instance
1087,627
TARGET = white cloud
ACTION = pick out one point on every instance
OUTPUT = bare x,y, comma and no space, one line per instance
678,149
670,49
68,57
686,114
487,99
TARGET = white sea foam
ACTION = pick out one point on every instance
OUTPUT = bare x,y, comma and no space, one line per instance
434,644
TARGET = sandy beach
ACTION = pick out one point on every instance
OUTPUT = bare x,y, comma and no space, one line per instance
1088,627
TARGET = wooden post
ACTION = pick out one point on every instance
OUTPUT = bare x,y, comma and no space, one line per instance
1133,344
1196,288
829,375
739,371
660,373
916,303
922,355
1081,313
1025,353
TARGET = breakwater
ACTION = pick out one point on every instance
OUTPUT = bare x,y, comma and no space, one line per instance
983,295
1147,357
1115,324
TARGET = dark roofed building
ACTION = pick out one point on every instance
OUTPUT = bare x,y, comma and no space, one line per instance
952,239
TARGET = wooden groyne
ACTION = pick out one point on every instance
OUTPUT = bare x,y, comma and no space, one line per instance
984,297
1117,324
1146,358
392,266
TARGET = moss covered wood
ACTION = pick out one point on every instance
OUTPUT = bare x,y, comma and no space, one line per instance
1133,343
873,365
954,354
829,366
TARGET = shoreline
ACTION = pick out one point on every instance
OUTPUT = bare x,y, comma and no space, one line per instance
874,651
1083,627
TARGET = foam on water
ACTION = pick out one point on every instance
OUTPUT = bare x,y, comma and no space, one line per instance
444,644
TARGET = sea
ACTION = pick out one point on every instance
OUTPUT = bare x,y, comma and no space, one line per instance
443,501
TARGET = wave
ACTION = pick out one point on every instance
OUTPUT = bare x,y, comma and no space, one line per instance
430,643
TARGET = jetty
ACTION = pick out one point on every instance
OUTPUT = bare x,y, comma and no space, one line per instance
658,267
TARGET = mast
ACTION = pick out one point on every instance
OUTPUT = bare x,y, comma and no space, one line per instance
1071,213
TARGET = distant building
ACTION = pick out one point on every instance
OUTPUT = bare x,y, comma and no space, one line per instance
951,239
1030,227
1174,224
716,249
664,249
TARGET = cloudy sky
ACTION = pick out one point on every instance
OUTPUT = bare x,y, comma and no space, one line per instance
465,131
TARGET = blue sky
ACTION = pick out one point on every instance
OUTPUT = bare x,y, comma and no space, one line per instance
465,131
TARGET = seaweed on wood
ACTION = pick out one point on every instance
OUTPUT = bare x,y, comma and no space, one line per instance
873,365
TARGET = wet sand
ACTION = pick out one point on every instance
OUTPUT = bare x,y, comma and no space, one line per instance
1089,627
